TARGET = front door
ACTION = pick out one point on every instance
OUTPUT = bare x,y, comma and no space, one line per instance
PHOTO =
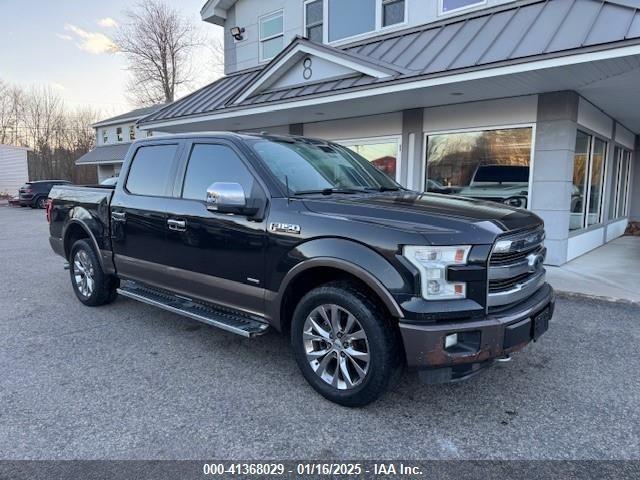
138,213
216,257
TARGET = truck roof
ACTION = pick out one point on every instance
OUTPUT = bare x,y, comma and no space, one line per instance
232,135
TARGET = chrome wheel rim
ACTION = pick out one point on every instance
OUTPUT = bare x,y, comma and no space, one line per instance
336,346
83,273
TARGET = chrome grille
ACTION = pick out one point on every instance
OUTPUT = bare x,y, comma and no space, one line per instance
516,267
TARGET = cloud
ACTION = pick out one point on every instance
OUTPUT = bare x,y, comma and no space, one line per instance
107,22
68,38
92,42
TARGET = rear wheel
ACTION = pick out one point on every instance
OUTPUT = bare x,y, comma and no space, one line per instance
41,202
344,344
90,284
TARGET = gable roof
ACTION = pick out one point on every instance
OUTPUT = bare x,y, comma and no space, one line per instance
518,32
301,48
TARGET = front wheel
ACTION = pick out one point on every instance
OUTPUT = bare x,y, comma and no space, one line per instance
345,345
91,285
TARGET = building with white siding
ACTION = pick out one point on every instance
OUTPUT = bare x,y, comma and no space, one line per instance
14,169
113,137
533,103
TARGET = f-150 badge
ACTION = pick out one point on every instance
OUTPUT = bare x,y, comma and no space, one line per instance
285,228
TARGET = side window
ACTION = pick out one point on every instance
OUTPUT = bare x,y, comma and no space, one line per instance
151,170
271,35
214,163
313,19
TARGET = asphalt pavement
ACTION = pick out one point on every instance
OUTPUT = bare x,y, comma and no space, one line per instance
128,381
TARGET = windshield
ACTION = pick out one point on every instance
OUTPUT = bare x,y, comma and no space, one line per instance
314,167
501,174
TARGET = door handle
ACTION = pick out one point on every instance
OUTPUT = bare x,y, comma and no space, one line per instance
118,216
177,225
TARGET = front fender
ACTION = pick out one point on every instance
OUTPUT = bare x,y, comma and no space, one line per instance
346,255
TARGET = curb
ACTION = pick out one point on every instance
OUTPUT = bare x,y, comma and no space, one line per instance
578,296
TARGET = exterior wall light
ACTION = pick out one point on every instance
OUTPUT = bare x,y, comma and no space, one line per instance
236,32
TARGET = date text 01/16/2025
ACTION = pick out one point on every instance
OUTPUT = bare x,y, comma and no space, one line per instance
304,469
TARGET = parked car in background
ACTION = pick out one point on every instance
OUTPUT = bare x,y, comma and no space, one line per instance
35,194
508,184
109,182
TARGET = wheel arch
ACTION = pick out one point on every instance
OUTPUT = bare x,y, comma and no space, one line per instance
76,230
314,272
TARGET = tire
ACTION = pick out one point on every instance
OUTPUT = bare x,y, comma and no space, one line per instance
90,284
380,346
41,203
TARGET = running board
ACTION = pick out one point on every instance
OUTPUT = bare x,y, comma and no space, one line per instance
228,320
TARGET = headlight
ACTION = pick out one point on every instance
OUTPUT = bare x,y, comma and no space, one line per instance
518,202
432,262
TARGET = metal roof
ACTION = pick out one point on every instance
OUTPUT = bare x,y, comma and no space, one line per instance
132,115
207,99
512,33
105,154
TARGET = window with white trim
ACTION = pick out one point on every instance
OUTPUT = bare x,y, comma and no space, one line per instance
491,165
393,12
271,35
620,174
351,18
105,135
132,132
588,181
449,6
314,20
119,134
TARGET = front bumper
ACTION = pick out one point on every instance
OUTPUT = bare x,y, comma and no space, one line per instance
494,336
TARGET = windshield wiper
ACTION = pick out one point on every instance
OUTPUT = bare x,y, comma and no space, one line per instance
382,189
329,191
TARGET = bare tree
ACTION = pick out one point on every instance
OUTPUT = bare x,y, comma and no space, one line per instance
158,43
216,50
11,109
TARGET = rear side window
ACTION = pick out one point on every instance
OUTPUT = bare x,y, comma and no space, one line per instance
214,163
151,170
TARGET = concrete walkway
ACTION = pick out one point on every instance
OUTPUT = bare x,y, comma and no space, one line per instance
611,271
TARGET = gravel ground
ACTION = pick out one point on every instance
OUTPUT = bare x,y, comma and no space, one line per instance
128,381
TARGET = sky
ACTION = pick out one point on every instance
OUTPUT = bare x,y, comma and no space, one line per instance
66,45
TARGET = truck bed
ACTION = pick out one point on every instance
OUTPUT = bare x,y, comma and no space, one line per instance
87,207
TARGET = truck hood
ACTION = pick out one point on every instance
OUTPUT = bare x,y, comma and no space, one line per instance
427,213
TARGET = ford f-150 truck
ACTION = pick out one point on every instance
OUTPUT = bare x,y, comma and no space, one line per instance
249,232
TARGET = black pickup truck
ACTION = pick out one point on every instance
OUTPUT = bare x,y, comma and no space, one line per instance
249,232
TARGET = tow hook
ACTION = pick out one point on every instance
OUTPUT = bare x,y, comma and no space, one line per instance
505,359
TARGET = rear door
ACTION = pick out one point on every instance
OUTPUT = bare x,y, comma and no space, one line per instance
214,256
138,212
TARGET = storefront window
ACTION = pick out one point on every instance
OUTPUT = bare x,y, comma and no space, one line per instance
620,178
489,164
614,172
624,181
596,181
588,181
579,190
383,153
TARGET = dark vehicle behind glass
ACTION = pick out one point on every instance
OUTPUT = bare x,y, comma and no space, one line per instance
250,232
34,194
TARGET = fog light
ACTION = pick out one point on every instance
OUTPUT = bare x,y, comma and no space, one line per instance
451,340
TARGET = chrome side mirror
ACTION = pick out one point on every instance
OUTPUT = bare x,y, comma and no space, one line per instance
226,198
